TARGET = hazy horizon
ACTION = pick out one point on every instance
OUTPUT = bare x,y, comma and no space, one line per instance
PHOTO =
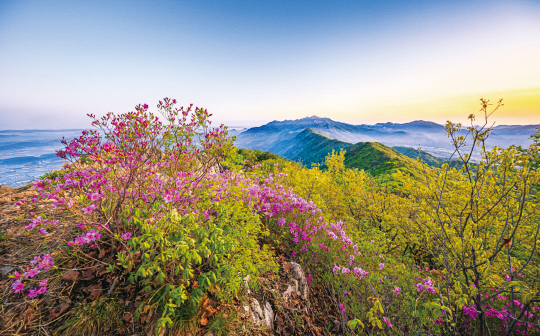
256,124
251,125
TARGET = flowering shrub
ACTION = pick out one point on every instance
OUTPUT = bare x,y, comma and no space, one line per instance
144,189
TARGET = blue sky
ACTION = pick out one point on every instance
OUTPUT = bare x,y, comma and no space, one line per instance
250,62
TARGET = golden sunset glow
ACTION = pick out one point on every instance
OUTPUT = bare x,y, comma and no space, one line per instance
520,107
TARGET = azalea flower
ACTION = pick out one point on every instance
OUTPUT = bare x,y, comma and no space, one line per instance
31,273
95,196
397,290
17,286
35,260
126,236
32,293
89,209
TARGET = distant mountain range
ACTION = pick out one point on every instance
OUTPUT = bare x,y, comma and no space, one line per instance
277,136
379,149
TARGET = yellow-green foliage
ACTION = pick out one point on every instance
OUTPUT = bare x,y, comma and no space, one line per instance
217,251
477,227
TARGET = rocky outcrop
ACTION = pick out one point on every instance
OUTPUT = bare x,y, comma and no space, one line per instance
259,312
297,282
260,317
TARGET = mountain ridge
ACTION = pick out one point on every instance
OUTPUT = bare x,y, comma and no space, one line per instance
429,135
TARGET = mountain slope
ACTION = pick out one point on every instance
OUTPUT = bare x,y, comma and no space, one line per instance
427,158
379,159
312,146
309,146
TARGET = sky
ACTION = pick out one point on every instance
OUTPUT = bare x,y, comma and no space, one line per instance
251,62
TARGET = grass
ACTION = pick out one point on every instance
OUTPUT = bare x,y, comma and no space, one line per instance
96,318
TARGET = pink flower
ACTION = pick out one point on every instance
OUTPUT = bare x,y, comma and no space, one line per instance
17,286
47,262
381,266
95,196
387,321
81,225
419,287
342,308
126,236
31,273
431,290
42,290
31,226
35,260
360,273
336,269
89,209
43,283
32,293
397,290
43,230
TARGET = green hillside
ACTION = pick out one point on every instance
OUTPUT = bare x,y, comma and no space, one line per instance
378,159
312,146
429,159
309,146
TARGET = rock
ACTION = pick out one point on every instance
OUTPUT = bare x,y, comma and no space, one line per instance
5,200
246,282
262,318
4,188
261,315
298,284
5,271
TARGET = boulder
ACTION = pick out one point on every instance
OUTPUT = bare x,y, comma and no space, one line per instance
4,188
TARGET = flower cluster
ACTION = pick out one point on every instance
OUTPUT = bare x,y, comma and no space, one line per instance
41,223
427,286
86,238
42,263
